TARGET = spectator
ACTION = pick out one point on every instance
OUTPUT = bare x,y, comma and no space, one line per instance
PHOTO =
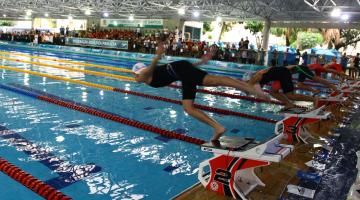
356,66
246,43
305,58
285,57
298,55
244,55
241,43
274,60
62,31
343,62
67,31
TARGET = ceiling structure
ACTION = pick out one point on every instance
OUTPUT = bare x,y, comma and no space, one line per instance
275,10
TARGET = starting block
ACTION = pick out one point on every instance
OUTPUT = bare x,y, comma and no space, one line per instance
231,171
332,100
293,125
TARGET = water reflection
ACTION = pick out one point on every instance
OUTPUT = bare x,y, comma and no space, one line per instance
102,183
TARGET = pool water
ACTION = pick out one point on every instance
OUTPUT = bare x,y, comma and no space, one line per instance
102,159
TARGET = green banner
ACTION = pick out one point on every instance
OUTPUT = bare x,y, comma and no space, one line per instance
113,44
141,23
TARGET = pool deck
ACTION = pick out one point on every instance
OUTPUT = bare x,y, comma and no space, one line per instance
277,175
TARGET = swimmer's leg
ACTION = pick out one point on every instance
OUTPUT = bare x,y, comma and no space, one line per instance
188,105
308,88
325,82
282,98
213,81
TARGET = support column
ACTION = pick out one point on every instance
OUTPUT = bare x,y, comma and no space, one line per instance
266,34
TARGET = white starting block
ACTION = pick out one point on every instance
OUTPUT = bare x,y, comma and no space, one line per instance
332,100
293,125
231,171
350,89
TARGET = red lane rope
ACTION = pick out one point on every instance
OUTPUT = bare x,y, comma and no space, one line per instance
202,107
137,124
234,96
29,181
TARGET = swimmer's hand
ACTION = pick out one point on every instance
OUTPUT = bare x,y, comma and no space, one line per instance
160,49
258,92
205,58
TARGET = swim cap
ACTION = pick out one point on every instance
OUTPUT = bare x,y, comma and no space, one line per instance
138,67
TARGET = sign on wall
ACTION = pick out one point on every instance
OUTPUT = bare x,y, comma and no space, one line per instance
142,23
114,44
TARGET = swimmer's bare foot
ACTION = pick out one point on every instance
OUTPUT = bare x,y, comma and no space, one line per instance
216,143
218,133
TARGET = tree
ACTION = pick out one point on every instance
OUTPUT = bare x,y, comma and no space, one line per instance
309,40
226,27
341,38
207,27
256,27
348,37
290,34
6,23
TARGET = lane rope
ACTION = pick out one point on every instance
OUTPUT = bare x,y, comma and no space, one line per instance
205,91
39,187
69,61
71,69
148,96
100,113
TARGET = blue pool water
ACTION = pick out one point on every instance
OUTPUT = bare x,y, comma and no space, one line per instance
101,159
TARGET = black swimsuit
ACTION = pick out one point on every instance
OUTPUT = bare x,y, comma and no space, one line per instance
183,71
281,74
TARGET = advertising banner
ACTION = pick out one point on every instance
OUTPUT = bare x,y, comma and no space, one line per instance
114,44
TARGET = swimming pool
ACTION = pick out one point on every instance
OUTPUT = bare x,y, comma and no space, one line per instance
101,159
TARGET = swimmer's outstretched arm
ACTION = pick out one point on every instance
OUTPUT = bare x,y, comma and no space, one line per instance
204,59
147,72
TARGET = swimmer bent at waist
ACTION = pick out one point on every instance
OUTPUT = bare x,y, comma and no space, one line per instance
190,76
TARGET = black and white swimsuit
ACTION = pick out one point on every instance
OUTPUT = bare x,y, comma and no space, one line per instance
183,71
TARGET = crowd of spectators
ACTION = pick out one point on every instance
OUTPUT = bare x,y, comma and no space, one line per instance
33,36
146,42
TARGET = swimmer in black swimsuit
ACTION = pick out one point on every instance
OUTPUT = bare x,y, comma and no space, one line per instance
190,77
283,76
304,73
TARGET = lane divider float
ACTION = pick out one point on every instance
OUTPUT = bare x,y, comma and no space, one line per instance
39,187
69,61
205,91
148,96
71,69
100,113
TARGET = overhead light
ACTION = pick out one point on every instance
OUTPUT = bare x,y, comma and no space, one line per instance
46,14
70,17
181,11
131,17
106,14
28,12
87,12
196,13
345,17
115,23
336,12
218,19
4,15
